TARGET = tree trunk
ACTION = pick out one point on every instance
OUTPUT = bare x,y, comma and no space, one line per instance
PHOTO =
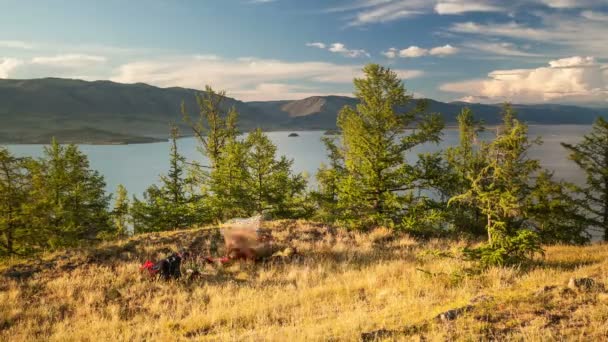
489,229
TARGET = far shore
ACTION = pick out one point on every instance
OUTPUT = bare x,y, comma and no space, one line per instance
150,140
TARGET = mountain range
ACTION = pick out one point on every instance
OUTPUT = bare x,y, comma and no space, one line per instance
105,112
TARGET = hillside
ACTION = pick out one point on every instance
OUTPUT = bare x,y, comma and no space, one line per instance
339,286
31,111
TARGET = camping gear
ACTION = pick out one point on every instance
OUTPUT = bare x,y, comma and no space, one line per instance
168,268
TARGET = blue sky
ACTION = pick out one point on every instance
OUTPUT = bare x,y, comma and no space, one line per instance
526,51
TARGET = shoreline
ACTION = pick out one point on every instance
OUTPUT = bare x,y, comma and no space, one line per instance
152,140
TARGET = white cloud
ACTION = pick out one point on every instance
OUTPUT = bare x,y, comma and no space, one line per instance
69,60
344,51
568,80
413,52
382,11
574,33
593,15
341,49
16,44
390,53
7,65
242,76
573,3
443,50
316,44
464,6
500,48
416,51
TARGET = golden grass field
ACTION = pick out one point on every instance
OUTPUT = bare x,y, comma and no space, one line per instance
340,286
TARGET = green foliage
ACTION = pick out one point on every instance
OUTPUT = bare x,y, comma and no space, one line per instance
465,162
173,205
369,182
121,212
501,192
215,127
244,177
272,187
328,179
591,155
67,198
515,249
14,189
555,213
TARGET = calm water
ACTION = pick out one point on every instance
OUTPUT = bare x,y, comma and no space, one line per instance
138,166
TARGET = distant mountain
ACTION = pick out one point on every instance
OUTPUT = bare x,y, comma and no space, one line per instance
32,111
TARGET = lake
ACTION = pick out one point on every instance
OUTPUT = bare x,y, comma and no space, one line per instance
138,166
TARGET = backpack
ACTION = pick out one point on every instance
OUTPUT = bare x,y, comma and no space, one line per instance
167,268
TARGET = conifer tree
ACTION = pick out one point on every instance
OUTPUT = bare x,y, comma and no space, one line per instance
376,187
271,185
501,191
328,178
121,212
68,200
173,205
465,161
215,126
591,155
14,189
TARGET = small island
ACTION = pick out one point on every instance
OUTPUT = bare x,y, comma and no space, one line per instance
291,135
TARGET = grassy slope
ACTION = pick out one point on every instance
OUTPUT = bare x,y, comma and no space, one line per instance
343,285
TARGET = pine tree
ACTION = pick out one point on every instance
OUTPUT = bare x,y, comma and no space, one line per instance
68,200
376,187
226,184
501,191
120,214
328,179
215,127
591,155
554,213
14,188
272,186
465,161
173,205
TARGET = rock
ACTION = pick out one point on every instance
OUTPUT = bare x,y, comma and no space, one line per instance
293,135
452,314
584,284
377,335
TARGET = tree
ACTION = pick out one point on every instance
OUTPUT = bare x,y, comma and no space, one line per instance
465,162
376,186
222,181
68,200
328,180
591,155
14,189
225,185
120,214
173,205
271,185
215,127
555,214
501,190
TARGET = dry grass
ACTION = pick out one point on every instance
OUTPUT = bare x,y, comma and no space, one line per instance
342,285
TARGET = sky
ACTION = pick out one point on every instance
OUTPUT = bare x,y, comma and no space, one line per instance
487,51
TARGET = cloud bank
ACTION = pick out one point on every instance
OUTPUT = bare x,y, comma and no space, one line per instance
575,79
